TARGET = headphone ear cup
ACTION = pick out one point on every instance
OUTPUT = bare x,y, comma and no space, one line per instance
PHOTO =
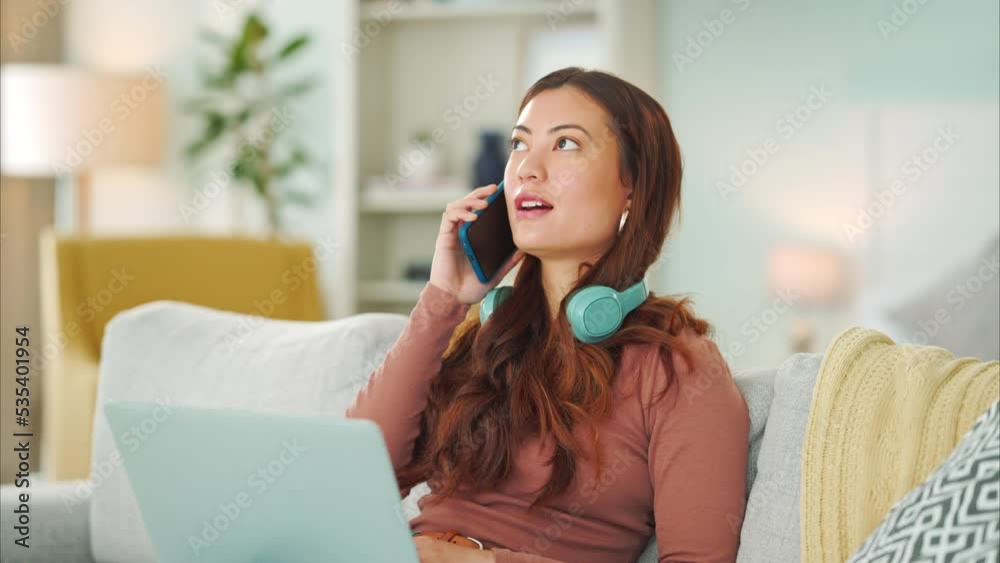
595,313
493,299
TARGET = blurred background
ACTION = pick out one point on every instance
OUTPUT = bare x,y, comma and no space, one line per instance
841,164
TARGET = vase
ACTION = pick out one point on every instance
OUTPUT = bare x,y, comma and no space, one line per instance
491,161
420,162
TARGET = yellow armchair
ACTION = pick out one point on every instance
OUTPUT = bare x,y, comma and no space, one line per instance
85,281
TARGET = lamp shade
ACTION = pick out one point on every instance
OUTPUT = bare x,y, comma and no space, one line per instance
815,276
60,119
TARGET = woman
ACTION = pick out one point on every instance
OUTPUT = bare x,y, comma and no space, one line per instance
539,446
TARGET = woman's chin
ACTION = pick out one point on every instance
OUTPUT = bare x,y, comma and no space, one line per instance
539,251
531,244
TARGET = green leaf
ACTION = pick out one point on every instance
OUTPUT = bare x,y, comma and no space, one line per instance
297,88
240,171
255,29
199,105
259,184
195,149
295,197
244,56
215,125
293,46
249,153
296,160
222,81
283,169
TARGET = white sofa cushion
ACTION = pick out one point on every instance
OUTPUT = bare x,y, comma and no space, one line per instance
770,531
185,354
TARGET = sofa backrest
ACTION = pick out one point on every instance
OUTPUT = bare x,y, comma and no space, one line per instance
186,354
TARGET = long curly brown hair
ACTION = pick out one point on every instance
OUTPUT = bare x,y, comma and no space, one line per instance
523,374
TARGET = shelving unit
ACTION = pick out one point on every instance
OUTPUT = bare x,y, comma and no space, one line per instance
456,68
408,200
426,10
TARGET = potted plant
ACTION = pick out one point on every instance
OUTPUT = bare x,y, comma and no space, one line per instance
242,110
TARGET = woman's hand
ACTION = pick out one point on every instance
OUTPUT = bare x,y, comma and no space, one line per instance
432,550
450,268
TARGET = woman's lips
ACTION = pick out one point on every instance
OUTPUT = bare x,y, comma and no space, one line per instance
532,213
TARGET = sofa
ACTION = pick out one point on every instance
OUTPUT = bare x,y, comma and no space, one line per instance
189,354
87,280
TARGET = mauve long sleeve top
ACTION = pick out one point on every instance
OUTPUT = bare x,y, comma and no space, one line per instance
674,468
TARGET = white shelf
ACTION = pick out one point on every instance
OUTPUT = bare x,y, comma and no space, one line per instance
391,291
408,200
422,10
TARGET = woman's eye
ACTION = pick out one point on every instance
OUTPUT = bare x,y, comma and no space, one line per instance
516,144
565,143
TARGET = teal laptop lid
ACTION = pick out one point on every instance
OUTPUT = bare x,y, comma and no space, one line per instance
235,486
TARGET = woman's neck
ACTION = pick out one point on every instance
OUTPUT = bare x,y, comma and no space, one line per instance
558,277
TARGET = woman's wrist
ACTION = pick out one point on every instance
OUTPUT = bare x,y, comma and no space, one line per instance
444,289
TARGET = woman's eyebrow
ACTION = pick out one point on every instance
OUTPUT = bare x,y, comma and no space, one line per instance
556,128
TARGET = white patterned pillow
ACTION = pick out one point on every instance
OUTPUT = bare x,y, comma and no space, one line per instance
952,516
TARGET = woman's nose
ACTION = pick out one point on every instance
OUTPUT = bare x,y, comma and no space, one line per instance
530,169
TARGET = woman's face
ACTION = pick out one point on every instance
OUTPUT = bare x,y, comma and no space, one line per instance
563,152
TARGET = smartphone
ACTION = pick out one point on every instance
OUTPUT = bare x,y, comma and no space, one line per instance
488,241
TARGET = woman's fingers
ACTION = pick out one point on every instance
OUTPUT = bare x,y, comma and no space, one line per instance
462,209
484,189
453,217
460,214
466,205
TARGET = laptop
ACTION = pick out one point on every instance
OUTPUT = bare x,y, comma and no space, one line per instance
236,486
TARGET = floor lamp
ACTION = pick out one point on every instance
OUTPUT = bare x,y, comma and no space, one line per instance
64,122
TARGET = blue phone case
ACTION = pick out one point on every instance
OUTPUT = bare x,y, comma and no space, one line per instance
463,235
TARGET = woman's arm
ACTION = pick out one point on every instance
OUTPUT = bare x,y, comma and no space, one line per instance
699,435
396,394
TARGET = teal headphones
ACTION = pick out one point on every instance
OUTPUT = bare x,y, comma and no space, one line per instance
595,312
